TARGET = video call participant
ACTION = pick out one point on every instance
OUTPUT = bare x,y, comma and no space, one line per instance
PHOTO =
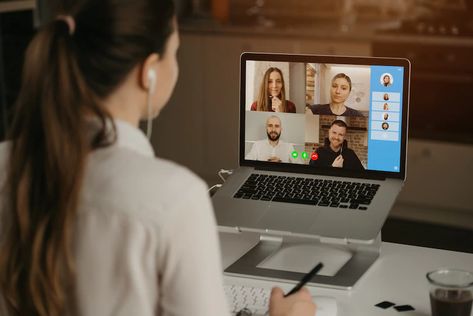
272,94
386,80
339,93
272,149
92,222
335,152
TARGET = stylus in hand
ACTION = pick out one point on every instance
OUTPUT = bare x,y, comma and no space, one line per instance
306,279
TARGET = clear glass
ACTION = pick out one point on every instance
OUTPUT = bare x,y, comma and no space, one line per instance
451,292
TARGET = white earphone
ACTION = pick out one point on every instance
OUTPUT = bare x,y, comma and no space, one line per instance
152,80
151,89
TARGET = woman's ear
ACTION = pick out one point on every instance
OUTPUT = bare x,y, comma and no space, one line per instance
149,67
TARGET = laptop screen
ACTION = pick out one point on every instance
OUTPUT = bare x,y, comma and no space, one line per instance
324,114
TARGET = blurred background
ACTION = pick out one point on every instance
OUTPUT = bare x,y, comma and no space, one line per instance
199,128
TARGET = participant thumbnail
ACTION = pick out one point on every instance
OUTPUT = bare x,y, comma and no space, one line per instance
275,87
386,79
338,89
342,143
274,137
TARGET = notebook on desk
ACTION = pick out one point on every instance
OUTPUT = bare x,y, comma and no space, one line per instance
322,148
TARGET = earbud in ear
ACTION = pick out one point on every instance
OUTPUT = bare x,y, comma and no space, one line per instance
152,80
151,88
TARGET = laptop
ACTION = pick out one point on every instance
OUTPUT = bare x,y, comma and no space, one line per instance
322,147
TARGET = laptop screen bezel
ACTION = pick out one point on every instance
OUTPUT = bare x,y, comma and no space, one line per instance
341,60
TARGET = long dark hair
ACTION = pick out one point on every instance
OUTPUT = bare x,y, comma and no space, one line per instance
263,102
65,79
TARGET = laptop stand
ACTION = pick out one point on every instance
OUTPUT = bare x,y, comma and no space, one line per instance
290,258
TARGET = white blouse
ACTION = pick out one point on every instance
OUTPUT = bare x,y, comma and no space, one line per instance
147,242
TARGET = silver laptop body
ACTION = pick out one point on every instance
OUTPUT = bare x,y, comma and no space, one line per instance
310,86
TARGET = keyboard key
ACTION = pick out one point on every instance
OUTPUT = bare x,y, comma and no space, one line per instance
296,201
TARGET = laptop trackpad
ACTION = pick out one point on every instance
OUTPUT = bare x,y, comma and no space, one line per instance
288,217
302,258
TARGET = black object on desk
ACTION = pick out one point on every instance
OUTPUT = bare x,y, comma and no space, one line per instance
244,312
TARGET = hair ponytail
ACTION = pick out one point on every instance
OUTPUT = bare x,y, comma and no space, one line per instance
50,142
45,174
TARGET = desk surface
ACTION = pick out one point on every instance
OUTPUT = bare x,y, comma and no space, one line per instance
397,276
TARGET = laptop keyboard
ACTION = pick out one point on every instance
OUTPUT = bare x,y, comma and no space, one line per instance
328,193
255,300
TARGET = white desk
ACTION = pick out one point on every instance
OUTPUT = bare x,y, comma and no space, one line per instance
397,276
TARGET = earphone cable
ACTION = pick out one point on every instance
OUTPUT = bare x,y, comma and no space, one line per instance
149,125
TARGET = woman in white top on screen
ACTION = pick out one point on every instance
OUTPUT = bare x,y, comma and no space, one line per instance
92,223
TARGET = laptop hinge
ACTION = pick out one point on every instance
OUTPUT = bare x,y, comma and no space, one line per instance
280,236
278,239
334,241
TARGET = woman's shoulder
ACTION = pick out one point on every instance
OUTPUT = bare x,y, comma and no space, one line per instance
133,181
321,109
290,107
254,106
352,112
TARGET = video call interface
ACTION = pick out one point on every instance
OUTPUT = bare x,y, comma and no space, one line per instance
324,115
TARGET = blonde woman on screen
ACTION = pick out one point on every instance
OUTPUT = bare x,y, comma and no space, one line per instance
340,89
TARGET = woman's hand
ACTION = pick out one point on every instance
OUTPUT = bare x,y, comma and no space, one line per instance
276,104
297,304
